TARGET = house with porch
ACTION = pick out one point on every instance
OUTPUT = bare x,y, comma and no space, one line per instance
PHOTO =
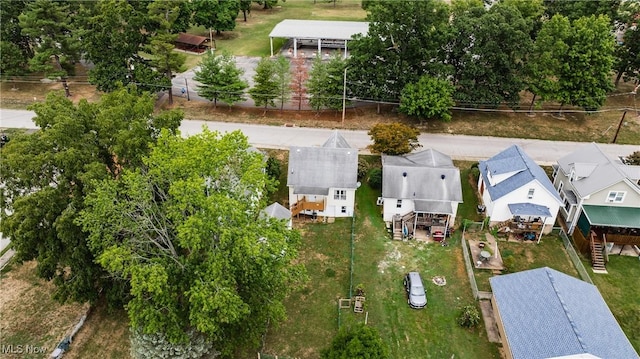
601,201
517,194
420,191
544,313
323,180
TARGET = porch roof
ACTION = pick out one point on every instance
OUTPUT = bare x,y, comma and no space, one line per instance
626,217
529,209
437,207
318,191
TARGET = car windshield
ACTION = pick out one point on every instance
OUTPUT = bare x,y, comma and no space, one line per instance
417,291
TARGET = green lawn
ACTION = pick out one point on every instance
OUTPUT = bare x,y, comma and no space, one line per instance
251,38
621,292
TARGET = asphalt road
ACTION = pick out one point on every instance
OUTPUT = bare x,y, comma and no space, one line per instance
457,146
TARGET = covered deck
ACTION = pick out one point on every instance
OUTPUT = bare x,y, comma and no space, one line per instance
527,222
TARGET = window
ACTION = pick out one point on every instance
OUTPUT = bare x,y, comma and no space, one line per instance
340,194
399,204
343,209
616,197
531,192
560,186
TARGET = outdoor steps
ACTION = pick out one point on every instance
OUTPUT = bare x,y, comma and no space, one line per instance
597,259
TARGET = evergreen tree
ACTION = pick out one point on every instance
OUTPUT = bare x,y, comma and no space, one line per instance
265,88
220,79
282,76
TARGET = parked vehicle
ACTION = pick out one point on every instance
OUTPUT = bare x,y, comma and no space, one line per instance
416,294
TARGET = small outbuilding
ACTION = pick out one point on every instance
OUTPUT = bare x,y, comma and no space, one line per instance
278,211
192,43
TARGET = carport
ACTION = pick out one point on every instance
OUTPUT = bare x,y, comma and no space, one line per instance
324,33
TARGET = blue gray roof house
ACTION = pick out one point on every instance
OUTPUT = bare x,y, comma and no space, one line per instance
543,313
512,184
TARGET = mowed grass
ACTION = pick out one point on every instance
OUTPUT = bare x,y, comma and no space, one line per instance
251,38
621,292
379,266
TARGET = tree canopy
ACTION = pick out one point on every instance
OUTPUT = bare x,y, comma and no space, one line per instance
393,138
428,98
219,15
220,79
265,88
47,174
185,232
360,341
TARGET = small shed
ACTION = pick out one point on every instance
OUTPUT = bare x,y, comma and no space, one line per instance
278,211
192,43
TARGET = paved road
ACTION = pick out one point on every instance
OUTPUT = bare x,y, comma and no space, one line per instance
457,146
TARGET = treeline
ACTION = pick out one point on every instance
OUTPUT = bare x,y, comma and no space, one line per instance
423,55
50,37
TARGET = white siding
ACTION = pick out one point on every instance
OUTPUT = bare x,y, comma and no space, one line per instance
390,208
334,206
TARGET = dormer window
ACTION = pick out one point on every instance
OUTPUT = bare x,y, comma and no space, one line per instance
531,192
572,175
616,196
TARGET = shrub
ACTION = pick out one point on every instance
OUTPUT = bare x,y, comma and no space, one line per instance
360,341
273,168
469,316
375,178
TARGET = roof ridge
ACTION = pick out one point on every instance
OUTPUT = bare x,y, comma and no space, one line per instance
565,309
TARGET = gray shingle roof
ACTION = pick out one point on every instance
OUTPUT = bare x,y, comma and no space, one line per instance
595,171
514,159
547,313
428,175
529,209
322,168
276,210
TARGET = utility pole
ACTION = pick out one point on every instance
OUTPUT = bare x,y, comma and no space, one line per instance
619,125
186,85
344,95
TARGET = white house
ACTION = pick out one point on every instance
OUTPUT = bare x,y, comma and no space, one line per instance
516,191
323,180
420,190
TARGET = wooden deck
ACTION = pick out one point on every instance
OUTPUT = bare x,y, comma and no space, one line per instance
304,205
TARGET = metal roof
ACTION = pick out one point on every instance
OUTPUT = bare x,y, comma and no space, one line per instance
546,313
319,29
529,209
189,39
608,216
428,175
514,159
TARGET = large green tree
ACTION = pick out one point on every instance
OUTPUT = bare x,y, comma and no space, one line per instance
14,46
220,79
585,77
627,62
114,33
49,26
167,16
219,15
186,232
428,98
326,83
488,55
47,174
405,41
265,88
577,9
282,75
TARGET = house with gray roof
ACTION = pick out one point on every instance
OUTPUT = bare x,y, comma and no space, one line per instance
323,180
277,211
420,190
601,199
517,194
543,313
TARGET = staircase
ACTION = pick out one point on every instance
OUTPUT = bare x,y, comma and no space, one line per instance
597,258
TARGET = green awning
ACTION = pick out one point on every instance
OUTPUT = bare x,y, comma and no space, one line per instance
627,217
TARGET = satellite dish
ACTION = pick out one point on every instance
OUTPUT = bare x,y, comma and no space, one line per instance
358,184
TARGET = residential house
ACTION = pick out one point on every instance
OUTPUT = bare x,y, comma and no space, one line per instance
601,199
323,180
543,313
420,191
517,194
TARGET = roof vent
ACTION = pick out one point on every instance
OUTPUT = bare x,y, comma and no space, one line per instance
442,176
404,174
